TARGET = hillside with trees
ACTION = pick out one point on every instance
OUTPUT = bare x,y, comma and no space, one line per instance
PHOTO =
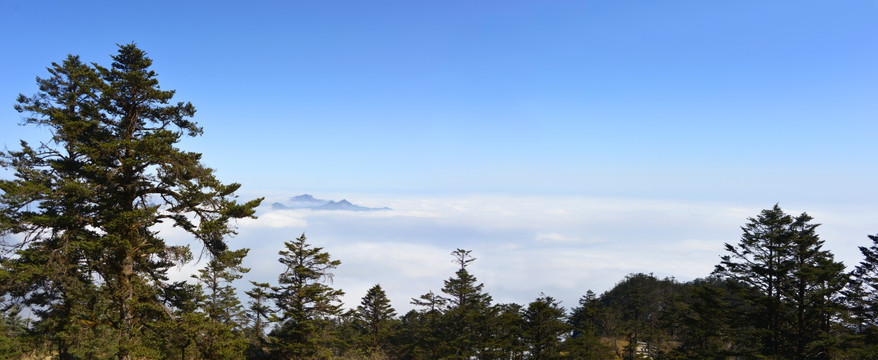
83,259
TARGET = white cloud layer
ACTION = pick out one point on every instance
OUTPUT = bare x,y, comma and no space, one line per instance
524,245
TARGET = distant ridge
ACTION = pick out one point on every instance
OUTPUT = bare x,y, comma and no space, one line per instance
306,201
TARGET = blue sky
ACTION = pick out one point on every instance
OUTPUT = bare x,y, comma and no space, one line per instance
718,105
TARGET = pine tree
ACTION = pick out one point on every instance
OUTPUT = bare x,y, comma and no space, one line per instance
306,303
52,206
705,320
259,308
861,296
377,317
469,310
545,324
222,331
760,260
799,283
423,334
259,315
221,304
637,308
507,333
86,201
181,332
586,328
13,332
813,290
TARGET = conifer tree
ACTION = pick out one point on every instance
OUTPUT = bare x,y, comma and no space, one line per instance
863,289
260,310
639,303
813,290
221,304
799,283
423,335
586,327
86,202
469,311
258,315
507,333
760,260
224,317
51,205
705,321
861,296
377,317
545,324
305,301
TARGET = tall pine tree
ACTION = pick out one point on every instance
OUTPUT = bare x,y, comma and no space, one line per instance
376,317
760,260
306,302
798,284
545,325
87,200
469,310
861,296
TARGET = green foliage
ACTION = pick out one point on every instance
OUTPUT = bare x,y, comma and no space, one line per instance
306,303
544,326
862,292
468,315
221,304
705,320
258,316
88,267
798,284
222,316
13,335
759,261
375,317
587,323
422,334
507,333
640,303
86,201
861,296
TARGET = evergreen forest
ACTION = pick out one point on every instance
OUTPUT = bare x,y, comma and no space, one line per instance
84,273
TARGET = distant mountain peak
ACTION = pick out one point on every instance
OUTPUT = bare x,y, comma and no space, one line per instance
303,197
306,201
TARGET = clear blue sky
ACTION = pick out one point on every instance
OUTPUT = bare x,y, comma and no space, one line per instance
768,100
734,103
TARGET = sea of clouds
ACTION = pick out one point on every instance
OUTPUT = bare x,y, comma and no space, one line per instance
524,246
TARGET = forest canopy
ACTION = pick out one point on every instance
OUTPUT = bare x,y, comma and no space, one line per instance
84,272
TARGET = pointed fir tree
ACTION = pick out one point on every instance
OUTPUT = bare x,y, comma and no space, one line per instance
259,313
586,328
260,309
705,321
544,326
760,260
861,297
92,194
799,284
221,304
469,311
507,333
423,333
305,301
813,289
222,330
377,318
51,204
